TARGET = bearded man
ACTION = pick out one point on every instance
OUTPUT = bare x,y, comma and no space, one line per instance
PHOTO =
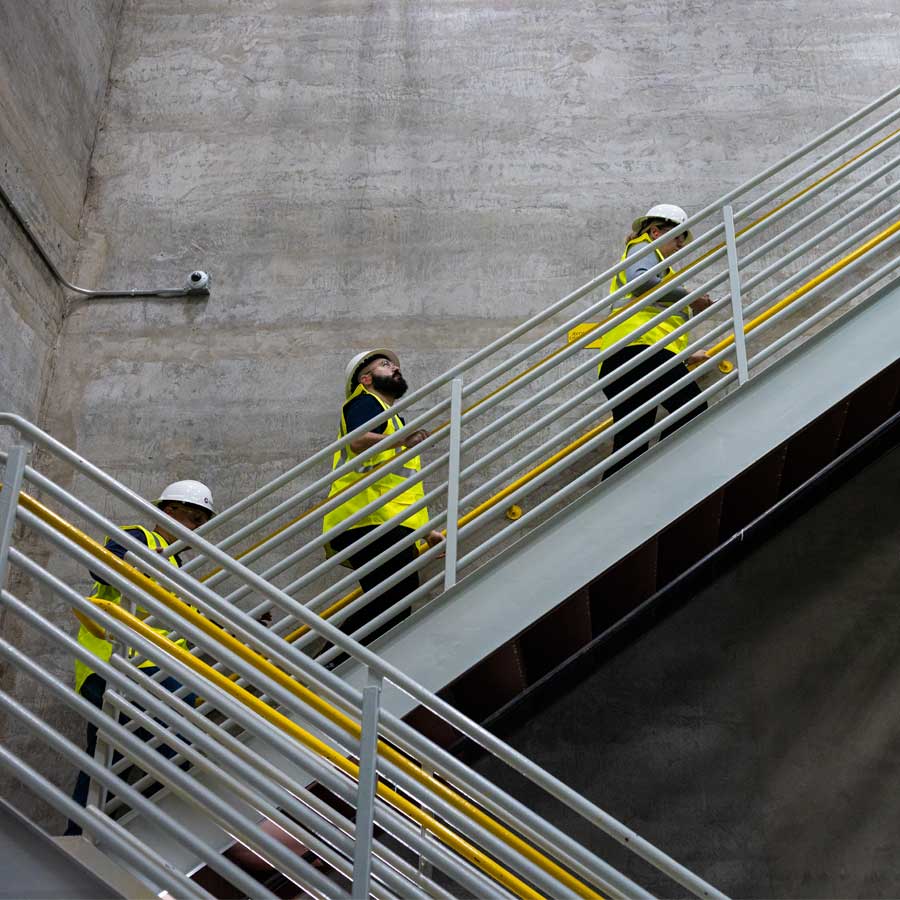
374,383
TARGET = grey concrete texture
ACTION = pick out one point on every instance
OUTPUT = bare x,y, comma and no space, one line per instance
422,177
419,176
54,62
753,734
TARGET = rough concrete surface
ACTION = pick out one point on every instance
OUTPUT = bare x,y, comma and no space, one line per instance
421,176
54,60
753,734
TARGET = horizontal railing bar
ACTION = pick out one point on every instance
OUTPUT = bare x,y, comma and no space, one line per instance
497,847
145,860
297,801
699,216
88,711
834,271
323,773
191,791
414,688
851,294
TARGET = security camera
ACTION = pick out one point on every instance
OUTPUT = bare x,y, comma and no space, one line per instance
198,281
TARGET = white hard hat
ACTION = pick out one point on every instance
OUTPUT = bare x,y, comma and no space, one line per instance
359,361
194,492
668,211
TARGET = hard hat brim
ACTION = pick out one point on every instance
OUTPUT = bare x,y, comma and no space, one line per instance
638,225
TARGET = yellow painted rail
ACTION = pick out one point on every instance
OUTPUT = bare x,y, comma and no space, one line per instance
579,331
575,334
314,701
830,272
724,366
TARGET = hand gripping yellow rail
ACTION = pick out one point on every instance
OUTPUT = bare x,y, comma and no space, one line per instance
446,793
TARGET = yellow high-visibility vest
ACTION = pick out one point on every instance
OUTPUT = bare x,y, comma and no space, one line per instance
632,325
356,500
101,648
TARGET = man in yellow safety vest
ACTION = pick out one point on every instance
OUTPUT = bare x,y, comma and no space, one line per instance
190,504
655,223
373,384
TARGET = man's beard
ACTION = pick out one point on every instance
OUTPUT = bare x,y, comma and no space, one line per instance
393,386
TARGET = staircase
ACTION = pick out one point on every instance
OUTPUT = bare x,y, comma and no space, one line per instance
801,363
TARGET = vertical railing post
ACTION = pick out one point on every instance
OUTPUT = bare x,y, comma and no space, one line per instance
13,476
453,483
737,310
365,797
425,867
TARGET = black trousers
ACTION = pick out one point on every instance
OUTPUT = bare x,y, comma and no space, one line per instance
393,564
651,361
92,689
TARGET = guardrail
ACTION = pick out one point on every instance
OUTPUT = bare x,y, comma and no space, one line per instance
768,259
305,712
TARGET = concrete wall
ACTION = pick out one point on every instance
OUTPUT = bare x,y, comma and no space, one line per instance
752,734
416,175
54,62
54,65
420,176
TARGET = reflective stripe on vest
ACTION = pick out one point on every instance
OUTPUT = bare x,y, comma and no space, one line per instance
632,325
356,500
101,648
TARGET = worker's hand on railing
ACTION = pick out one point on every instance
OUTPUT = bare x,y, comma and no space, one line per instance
433,538
704,301
415,438
694,360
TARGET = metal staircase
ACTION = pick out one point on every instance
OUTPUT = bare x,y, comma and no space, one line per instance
801,354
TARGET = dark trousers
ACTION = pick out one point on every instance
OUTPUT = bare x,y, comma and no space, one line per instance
393,564
651,361
92,689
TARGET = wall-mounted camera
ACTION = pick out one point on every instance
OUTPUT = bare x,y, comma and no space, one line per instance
198,282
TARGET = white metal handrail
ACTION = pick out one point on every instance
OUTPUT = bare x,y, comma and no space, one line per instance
288,660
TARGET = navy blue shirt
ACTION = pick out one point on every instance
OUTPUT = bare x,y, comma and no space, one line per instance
116,548
360,409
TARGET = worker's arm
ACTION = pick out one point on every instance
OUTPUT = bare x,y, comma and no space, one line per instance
117,549
363,408
370,438
638,262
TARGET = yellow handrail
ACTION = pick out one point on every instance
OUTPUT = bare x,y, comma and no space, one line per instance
469,516
574,334
727,366
333,714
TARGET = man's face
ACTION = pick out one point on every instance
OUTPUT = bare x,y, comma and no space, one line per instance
186,514
384,377
669,247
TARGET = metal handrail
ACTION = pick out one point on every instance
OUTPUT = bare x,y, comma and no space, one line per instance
256,634
830,272
724,366
821,181
536,320
309,698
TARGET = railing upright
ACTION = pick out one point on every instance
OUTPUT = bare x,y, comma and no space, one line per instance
737,310
450,549
13,475
368,775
